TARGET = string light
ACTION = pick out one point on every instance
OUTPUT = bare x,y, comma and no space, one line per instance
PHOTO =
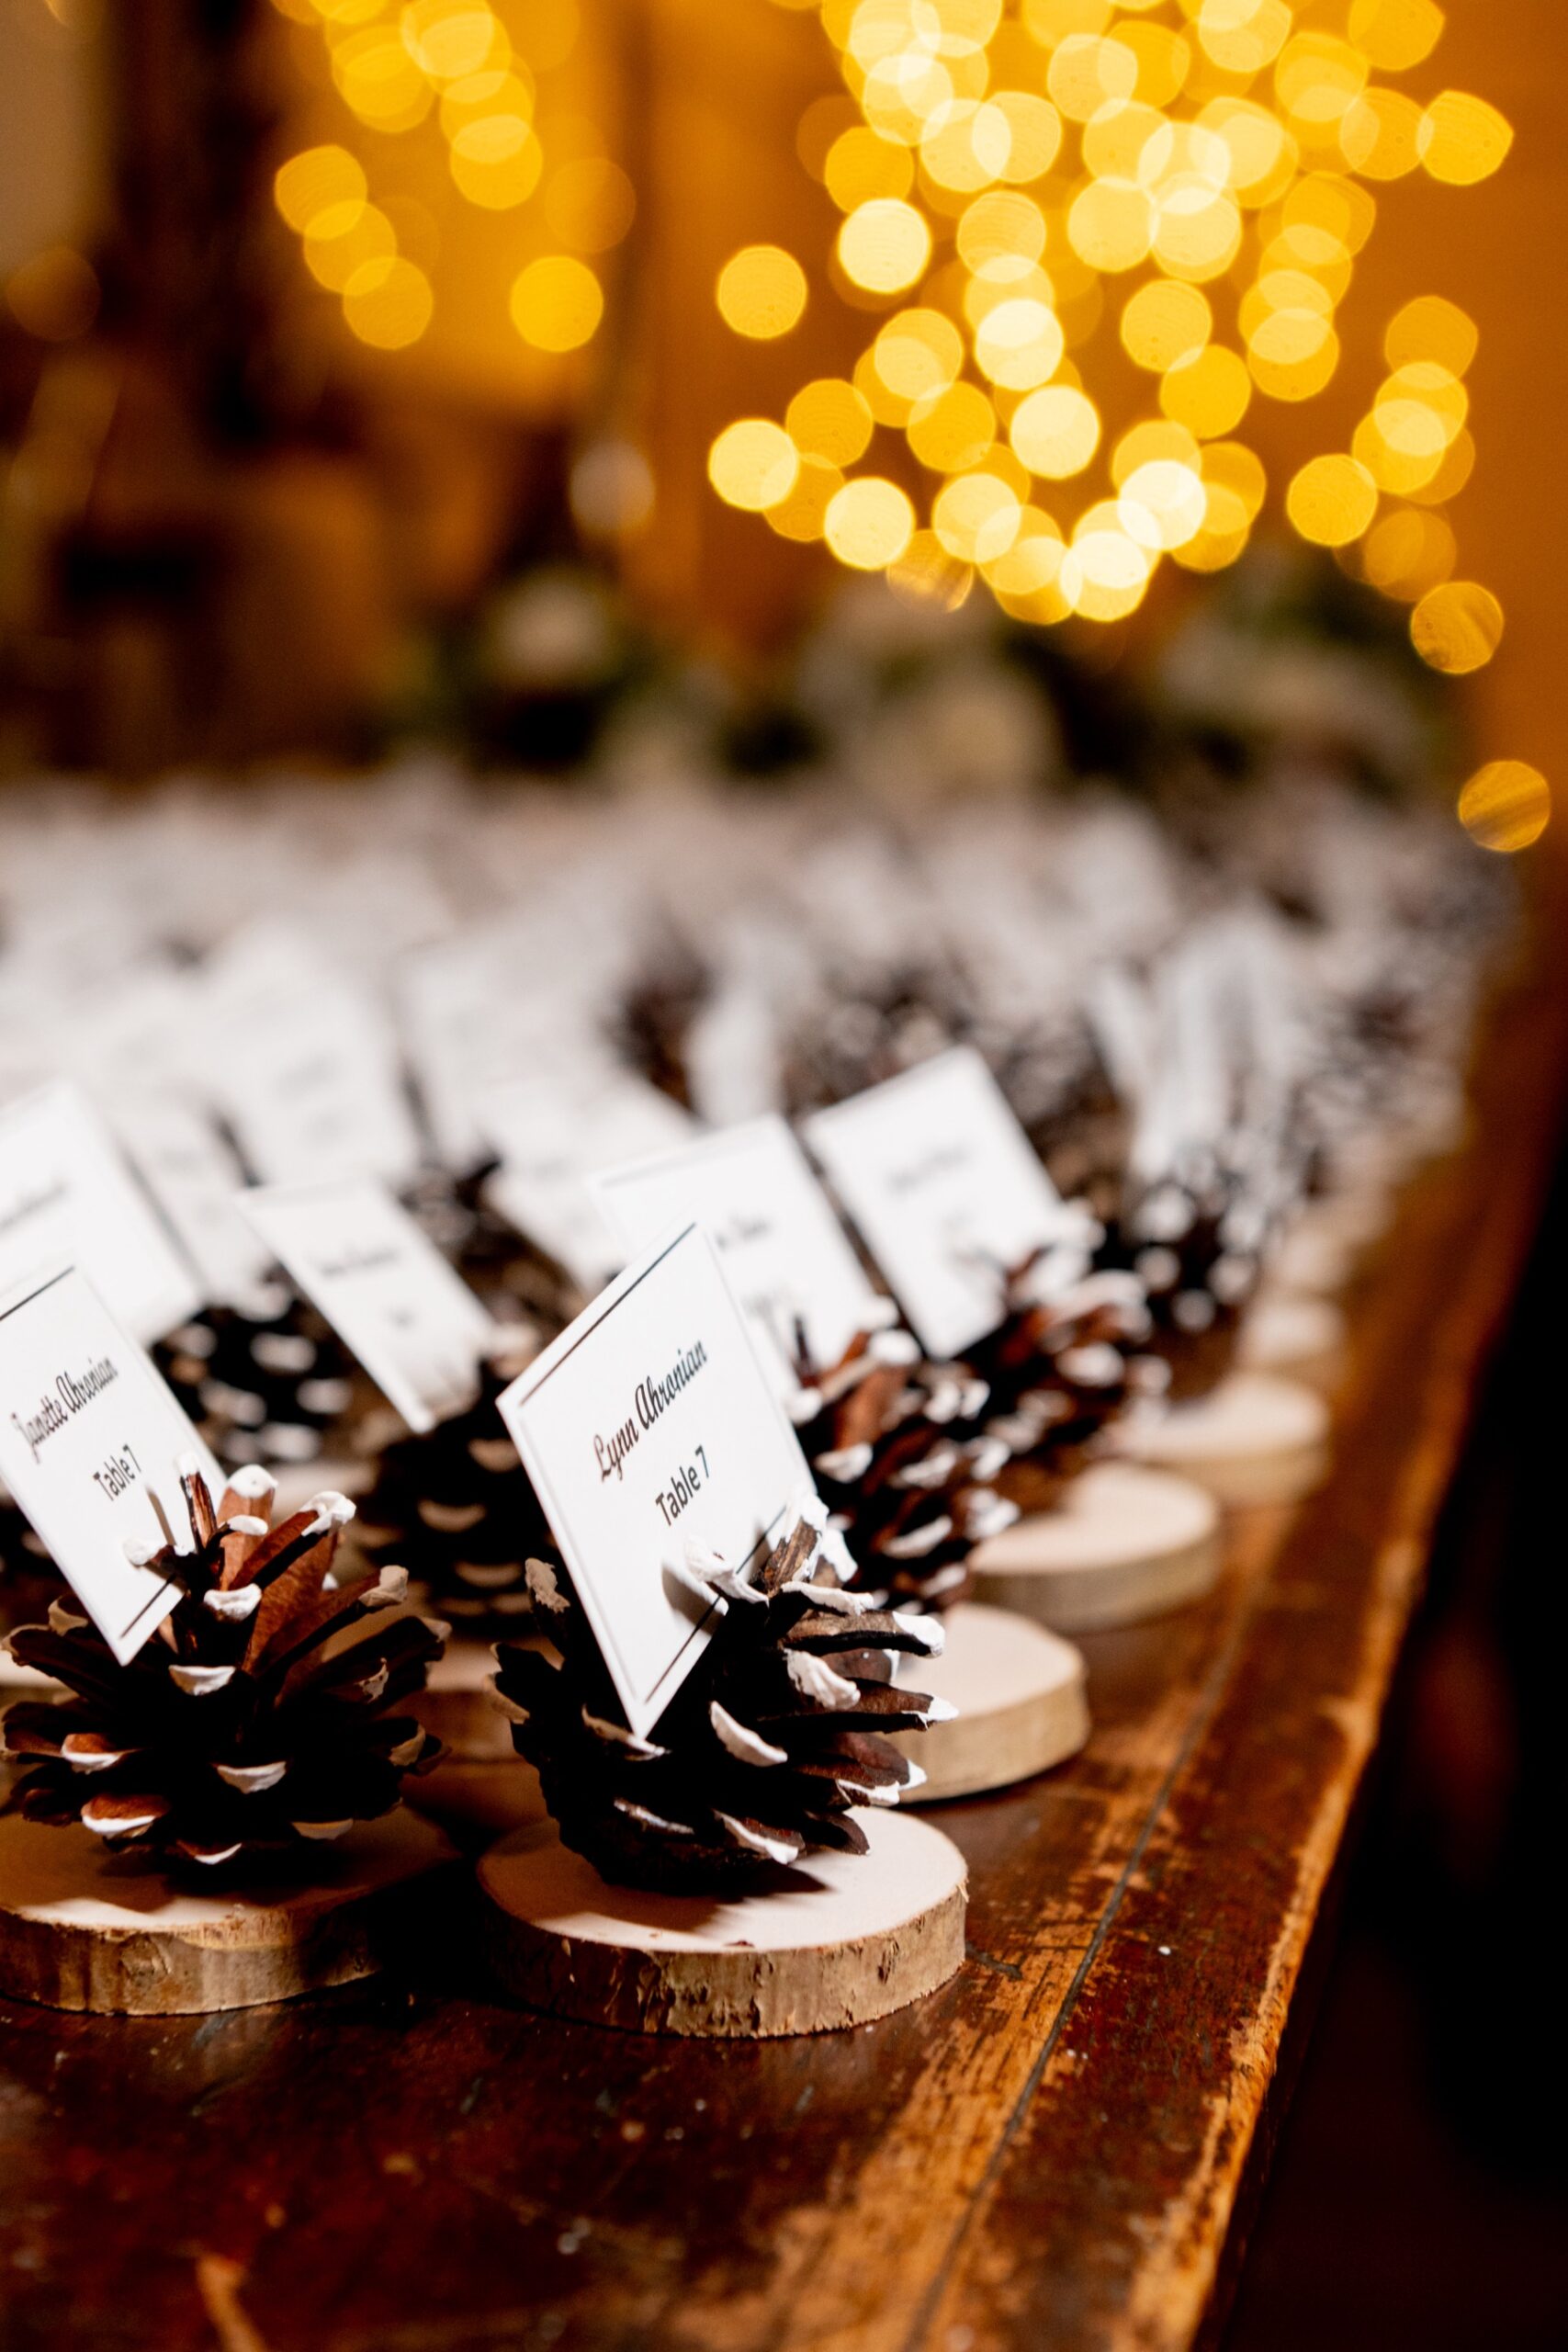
1021,182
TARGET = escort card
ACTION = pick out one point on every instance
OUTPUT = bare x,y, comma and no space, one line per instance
91,1442
304,1065
67,1197
551,1132
946,1189
785,1252
194,1176
384,1288
648,1426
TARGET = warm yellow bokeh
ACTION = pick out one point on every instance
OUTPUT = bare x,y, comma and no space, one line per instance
316,183
1463,138
762,292
388,303
1431,329
803,515
1408,552
496,159
557,303
1055,432
954,429
829,419
1506,806
1331,501
1166,322
753,464
1026,185
1457,627
870,524
884,245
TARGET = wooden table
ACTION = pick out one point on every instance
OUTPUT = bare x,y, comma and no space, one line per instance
1058,2150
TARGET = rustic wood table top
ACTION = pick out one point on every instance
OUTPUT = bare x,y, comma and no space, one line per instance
1058,2150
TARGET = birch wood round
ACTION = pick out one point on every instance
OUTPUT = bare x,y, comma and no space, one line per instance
835,1941
1294,1333
1020,1696
1124,1544
81,1928
1255,1439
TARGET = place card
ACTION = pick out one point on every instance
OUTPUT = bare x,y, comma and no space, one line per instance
91,1446
67,1198
193,1175
303,1065
384,1288
945,1190
649,1426
786,1254
551,1132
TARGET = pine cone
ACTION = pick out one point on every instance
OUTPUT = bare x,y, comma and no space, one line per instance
772,1738
1059,1371
909,1486
263,1381
512,1276
247,1721
1182,1245
456,1508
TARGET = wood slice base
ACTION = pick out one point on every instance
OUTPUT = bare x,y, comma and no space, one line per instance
1255,1439
1021,1695
81,1928
1123,1543
835,1941
1297,1334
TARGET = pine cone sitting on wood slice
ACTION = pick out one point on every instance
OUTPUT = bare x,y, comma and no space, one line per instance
457,1506
514,1278
264,1379
1187,1257
775,1735
1060,1371
909,1488
261,1714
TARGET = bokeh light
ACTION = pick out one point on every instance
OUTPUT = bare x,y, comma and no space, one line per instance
753,464
388,303
557,303
1101,239
1458,626
1506,806
761,291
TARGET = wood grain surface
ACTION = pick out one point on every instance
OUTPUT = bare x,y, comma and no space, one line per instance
1051,2152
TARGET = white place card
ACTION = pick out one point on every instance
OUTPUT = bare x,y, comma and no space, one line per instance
193,1175
785,1252
551,1132
649,1425
946,1189
91,1442
67,1198
304,1065
384,1288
